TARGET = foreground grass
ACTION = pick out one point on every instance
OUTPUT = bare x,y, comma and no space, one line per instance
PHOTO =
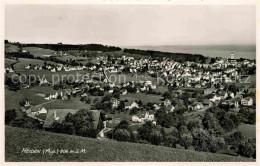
96,150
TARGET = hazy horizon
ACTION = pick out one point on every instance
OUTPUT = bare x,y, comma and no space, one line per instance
132,25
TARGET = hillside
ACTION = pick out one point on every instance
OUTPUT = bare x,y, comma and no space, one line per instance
96,150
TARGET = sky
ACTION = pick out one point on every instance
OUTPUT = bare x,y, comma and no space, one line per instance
132,25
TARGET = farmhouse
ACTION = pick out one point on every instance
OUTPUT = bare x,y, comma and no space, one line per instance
143,117
9,70
38,110
170,108
196,106
248,101
115,102
57,115
130,105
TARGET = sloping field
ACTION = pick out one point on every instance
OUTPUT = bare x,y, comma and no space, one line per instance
25,62
247,130
8,62
11,48
39,52
95,150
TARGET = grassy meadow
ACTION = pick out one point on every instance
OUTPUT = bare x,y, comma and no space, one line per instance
96,150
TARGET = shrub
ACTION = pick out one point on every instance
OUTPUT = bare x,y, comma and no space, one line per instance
142,141
88,101
10,115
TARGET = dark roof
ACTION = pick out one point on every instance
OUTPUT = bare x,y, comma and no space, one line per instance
96,115
36,108
206,101
61,113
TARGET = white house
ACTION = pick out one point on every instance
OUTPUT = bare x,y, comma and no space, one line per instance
215,98
53,70
131,105
248,101
124,92
42,111
143,117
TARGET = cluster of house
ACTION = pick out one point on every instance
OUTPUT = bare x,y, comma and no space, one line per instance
188,74
48,116
55,68
143,117
64,94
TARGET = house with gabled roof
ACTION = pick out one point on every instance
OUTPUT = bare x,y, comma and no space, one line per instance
142,117
58,115
131,104
248,101
196,106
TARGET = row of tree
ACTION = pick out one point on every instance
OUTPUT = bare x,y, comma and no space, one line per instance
66,47
180,57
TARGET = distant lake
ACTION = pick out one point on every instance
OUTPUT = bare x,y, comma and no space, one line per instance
240,51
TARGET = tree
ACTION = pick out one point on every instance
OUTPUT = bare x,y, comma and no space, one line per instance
145,130
171,141
211,123
88,101
133,111
186,140
216,144
200,140
107,98
243,113
156,137
95,100
246,149
140,103
10,115
125,125
167,95
227,124
193,124
122,135
68,128
87,132
235,139
235,119
57,127
183,130
252,118
19,122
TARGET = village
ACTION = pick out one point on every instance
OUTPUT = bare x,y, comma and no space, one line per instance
135,82
205,85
